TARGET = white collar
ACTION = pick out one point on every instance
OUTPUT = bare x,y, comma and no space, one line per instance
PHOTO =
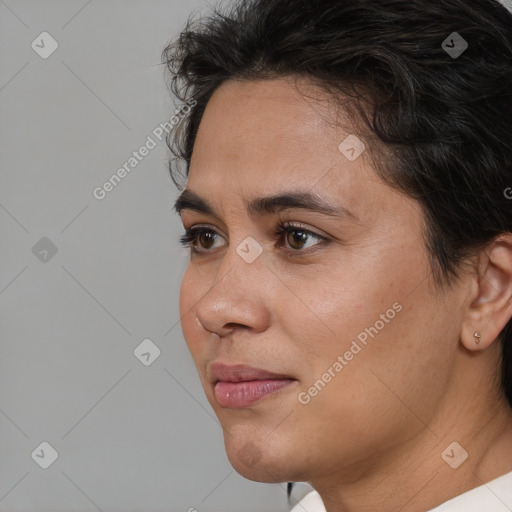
507,4
493,496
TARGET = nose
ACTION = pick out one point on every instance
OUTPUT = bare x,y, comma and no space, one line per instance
238,298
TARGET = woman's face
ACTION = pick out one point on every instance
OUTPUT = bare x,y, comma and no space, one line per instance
354,343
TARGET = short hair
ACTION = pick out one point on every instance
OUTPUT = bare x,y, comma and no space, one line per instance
445,117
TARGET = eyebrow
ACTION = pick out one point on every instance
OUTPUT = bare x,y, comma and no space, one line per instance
267,205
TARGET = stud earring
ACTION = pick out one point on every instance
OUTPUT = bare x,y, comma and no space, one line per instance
477,337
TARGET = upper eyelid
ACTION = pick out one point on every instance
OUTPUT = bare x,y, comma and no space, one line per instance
285,224
204,227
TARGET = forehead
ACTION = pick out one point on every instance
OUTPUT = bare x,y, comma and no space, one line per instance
269,112
269,135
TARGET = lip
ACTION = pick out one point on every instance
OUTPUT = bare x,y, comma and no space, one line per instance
238,386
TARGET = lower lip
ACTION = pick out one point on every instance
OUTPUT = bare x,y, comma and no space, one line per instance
237,395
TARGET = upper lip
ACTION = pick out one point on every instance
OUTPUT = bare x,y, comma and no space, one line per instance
240,373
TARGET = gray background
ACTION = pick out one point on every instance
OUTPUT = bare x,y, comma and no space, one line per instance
129,437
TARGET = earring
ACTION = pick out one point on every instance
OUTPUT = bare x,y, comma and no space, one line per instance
477,337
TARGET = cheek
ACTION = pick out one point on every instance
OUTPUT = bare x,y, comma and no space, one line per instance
392,363
370,319
337,305
192,288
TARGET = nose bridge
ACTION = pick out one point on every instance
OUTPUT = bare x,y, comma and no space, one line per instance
236,295
241,265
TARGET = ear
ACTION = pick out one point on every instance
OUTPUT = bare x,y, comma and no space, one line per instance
490,307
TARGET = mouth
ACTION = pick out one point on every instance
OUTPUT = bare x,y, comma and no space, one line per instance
239,386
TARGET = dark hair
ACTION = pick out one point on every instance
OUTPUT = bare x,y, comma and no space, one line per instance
446,119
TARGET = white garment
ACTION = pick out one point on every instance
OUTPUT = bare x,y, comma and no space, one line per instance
494,496
507,4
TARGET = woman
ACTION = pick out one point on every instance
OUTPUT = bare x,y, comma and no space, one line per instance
348,211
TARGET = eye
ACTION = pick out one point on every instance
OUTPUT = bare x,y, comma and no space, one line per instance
297,237
201,239
205,235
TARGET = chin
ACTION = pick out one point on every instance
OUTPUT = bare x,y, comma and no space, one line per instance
252,464
258,459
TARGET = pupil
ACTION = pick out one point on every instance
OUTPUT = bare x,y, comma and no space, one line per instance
299,237
205,236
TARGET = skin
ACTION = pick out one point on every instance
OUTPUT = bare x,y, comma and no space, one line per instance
375,433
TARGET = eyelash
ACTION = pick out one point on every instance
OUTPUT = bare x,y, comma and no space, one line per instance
191,235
